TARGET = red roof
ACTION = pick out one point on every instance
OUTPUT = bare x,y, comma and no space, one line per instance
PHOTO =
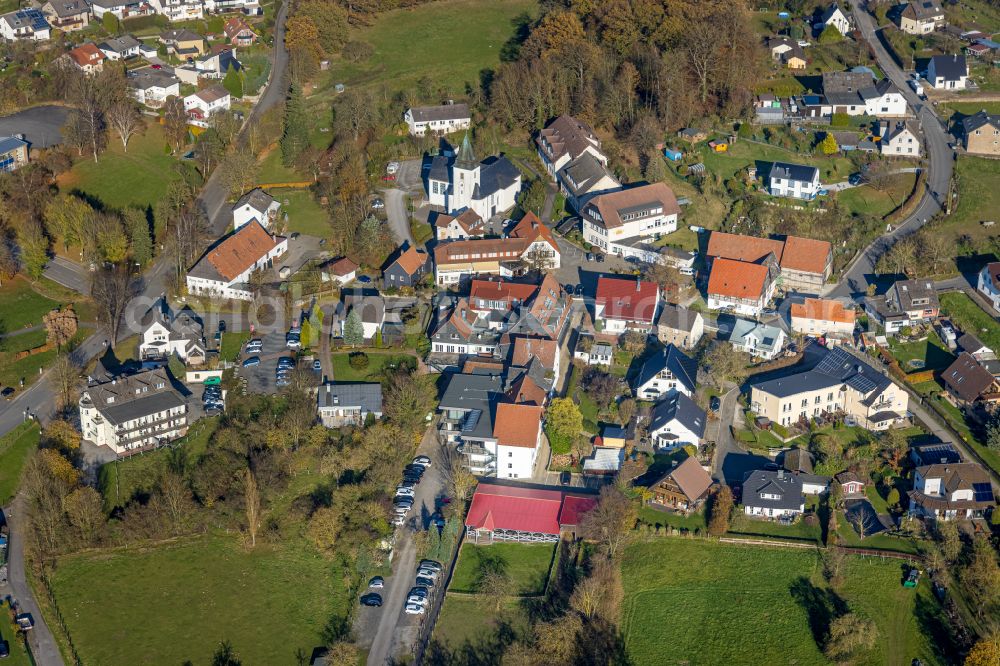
517,425
631,300
737,279
484,292
525,509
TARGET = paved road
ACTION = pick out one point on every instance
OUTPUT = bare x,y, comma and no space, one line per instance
43,644
940,164
69,274
725,445
409,182
41,125
388,630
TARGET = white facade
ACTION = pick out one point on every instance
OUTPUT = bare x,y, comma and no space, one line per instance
761,342
200,107
243,214
458,194
25,24
179,10
657,224
659,385
796,188
116,418
156,342
449,118
899,142
812,326
772,512
891,104
986,287
237,287
838,20
673,435
156,95
951,80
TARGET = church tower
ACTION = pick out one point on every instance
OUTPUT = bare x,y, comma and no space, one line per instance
464,176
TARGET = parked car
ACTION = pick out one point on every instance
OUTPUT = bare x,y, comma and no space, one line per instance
293,342
251,362
427,573
714,404
378,204
317,366
392,167
371,599
422,460
376,583
426,582
420,601
430,564
7,393
404,492
565,478
364,279
416,469
414,609
398,520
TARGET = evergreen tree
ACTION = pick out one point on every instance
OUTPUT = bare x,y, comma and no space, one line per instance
829,144
354,332
233,83
296,135
137,227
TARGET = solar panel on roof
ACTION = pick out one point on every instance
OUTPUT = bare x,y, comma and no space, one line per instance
982,492
861,383
832,364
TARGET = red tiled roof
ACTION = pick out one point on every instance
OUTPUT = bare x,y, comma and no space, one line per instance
805,254
544,349
412,260
525,509
469,220
794,253
342,266
235,26
532,228
242,250
631,300
823,310
737,279
483,291
525,391
517,425
87,54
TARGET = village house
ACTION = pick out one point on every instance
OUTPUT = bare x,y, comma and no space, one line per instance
408,269
741,287
805,264
908,302
87,58
623,304
951,491
988,283
683,488
67,15
676,421
772,494
528,246
839,383
120,48
969,383
528,350
603,462
851,486
793,180
935,453
975,347
370,307
212,65
947,72
165,333
27,24
342,271
256,205
680,326
466,224
759,340
591,352
899,140
565,140
489,187
620,222
224,270
122,9
920,17
132,412
823,317
183,43
856,93
835,17
202,105
981,133
584,178
443,119
238,32
348,404
669,370
507,512
787,51
179,10
13,153
151,87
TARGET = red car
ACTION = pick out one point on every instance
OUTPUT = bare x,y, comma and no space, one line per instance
157,66
388,177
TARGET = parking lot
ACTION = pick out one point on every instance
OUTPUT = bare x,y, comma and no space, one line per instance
261,378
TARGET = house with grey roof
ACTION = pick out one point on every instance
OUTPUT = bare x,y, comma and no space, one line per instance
669,370
947,72
759,340
920,17
256,205
460,181
981,133
67,15
899,139
772,494
13,153
120,48
131,413
797,181
585,177
679,326
676,421
369,305
27,24
165,333
348,404
441,119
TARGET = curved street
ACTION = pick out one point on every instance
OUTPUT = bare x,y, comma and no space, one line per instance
940,163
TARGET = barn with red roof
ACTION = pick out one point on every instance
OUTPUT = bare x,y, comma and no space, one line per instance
525,513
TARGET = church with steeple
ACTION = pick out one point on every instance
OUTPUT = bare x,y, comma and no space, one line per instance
458,182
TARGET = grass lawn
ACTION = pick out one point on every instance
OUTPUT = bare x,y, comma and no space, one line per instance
305,215
651,516
138,475
867,199
21,306
849,537
22,341
971,318
449,42
469,620
799,530
27,368
978,184
343,372
587,405
726,601
929,354
744,153
175,602
16,448
18,655
231,343
273,171
139,177
527,564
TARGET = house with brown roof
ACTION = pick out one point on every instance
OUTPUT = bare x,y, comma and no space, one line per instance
565,140
87,58
466,224
951,491
851,484
988,283
528,246
200,106
623,304
920,17
238,32
805,264
544,351
67,15
683,488
969,383
341,271
624,222
183,42
224,270
823,317
741,287
408,269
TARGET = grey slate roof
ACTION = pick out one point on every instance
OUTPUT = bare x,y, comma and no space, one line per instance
180,35
367,396
474,393
972,123
788,488
677,317
970,343
135,396
183,325
799,172
423,114
67,8
495,174
766,334
146,78
834,368
439,168
951,67
679,407
119,44
258,199
580,175
684,368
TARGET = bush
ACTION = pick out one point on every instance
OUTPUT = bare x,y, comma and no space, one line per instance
840,120
144,22
358,360
356,51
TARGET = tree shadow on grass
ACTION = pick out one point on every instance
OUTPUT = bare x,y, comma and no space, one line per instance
822,606
556,599
487,651
933,623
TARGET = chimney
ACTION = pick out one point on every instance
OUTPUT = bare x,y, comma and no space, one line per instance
638,285
781,473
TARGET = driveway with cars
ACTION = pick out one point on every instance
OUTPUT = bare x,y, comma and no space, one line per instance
261,378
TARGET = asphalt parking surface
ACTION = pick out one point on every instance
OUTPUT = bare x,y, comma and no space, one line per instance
261,378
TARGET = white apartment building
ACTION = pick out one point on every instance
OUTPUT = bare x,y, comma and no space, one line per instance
442,119
620,222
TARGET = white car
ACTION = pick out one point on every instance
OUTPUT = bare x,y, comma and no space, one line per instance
392,167
415,600
415,609
428,573
423,461
398,521
404,492
401,510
